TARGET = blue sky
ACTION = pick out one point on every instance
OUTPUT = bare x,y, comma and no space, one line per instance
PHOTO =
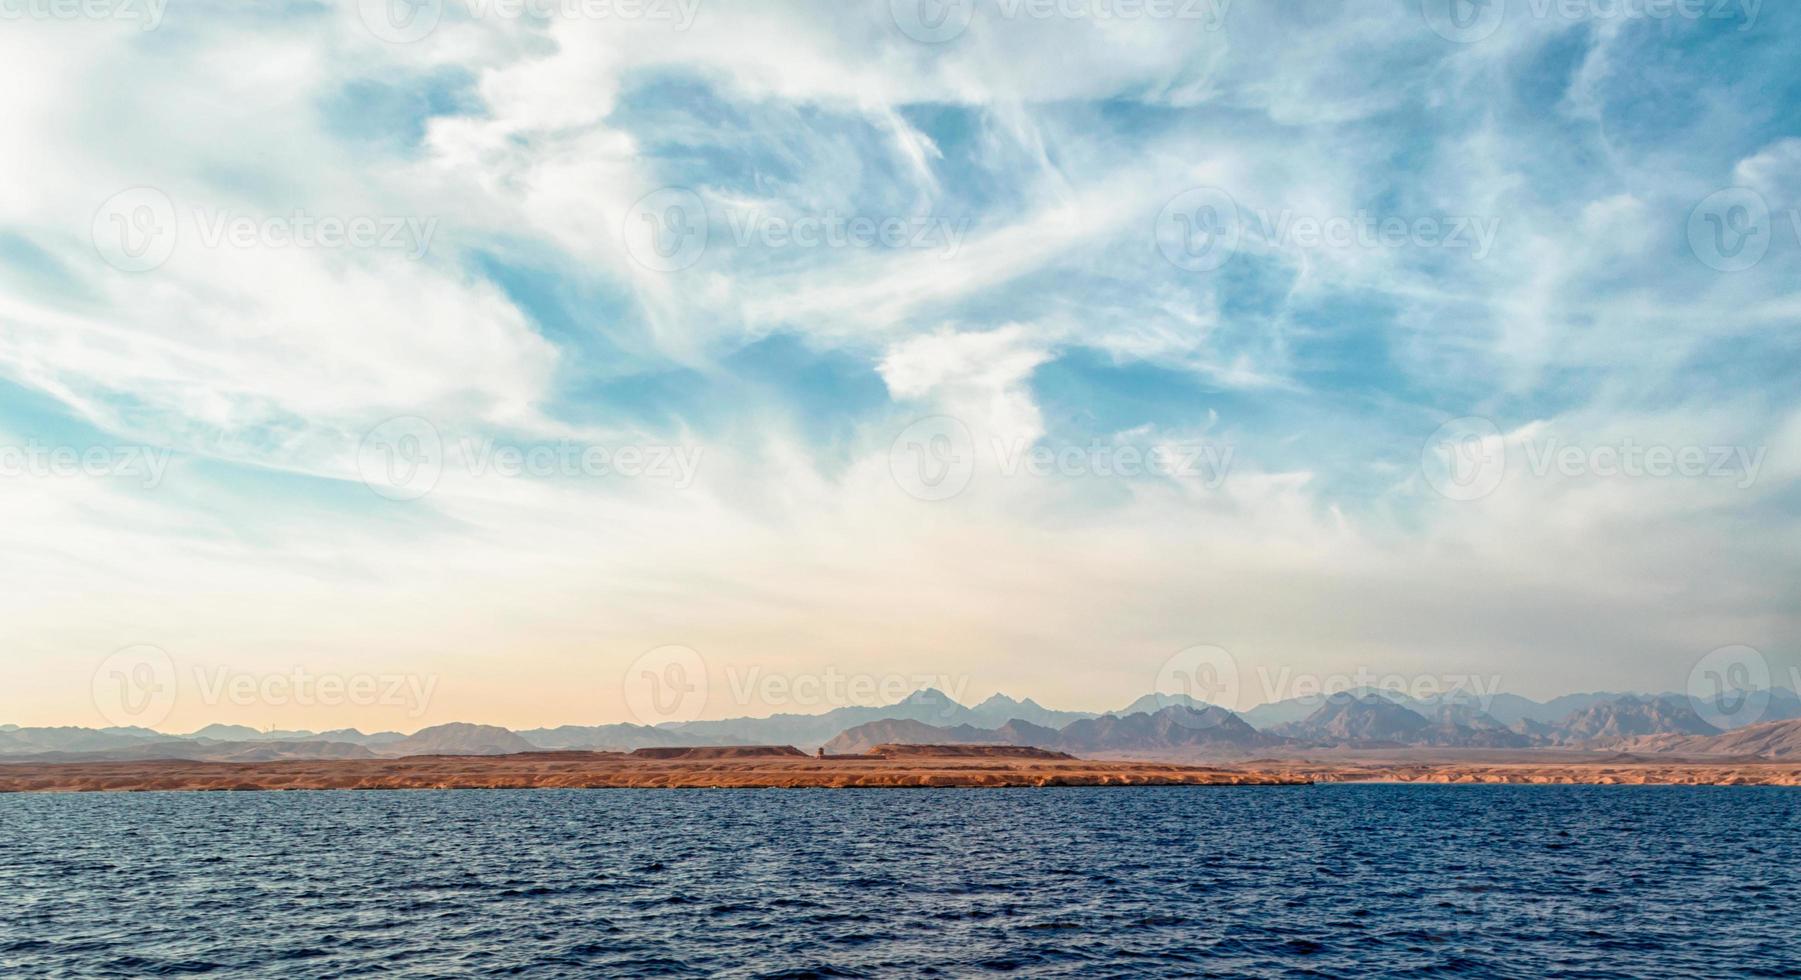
1549,184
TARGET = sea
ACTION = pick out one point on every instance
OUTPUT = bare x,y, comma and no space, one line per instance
1321,881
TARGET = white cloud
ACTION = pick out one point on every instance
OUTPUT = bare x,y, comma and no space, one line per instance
1064,139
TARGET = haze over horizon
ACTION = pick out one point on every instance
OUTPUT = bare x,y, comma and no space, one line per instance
814,340
666,688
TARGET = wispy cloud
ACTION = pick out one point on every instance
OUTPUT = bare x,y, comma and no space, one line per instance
1294,241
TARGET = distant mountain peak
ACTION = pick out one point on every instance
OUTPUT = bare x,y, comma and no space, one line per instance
459,738
1150,704
221,731
1353,718
928,695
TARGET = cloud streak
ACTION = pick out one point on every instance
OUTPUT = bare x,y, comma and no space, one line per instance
1089,307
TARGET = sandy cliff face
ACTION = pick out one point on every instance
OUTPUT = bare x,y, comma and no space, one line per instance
891,766
898,766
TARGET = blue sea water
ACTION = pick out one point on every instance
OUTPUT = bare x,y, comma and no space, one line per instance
1328,881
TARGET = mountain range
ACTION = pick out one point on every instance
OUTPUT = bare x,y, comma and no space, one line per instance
1770,740
930,706
1153,725
1176,729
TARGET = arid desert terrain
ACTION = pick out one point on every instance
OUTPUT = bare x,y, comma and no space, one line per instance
886,766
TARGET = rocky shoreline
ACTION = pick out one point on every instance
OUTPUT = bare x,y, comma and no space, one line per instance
734,768
885,766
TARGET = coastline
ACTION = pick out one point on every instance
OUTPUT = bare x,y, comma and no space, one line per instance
891,768
604,770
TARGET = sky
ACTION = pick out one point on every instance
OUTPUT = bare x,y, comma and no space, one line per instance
533,362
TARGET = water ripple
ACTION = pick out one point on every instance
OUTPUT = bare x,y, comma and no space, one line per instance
1421,881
